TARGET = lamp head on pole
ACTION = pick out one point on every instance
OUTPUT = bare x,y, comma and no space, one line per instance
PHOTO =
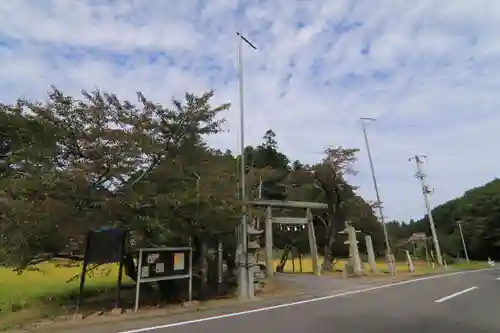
246,41
367,119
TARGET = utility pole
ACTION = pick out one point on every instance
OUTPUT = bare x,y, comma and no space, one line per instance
243,276
375,185
463,241
426,191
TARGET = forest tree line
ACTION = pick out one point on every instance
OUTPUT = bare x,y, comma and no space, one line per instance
478,211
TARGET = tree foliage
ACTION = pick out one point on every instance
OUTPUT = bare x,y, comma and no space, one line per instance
68,165
478,210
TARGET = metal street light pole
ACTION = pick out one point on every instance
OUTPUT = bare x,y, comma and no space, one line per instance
425,191
375,185
243,276
463,240
198,178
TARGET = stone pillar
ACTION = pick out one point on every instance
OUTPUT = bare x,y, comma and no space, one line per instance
391,263
353,242
371,254
269,242
312,243
411,267
354,262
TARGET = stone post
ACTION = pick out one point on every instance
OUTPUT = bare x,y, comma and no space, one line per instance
354,260
353,242
411,267
371,254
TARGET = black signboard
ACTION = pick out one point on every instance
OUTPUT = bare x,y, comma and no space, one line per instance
105,245
159,264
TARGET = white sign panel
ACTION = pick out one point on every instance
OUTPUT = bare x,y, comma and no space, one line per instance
144,271
153,257
179,261
160,268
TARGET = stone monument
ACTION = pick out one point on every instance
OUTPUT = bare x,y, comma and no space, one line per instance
391,263
411,267
354,265
371,254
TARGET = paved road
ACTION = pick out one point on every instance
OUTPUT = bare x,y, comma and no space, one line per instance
325,285
455,303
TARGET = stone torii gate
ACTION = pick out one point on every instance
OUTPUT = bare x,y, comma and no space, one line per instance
307,220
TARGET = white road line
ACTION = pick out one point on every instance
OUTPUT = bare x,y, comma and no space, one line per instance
269,308
454,295
498,278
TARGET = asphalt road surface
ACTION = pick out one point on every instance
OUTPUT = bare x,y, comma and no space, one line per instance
454,303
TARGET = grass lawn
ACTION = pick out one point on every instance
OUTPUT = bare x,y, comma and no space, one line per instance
307,265
421,267
470,266
42,293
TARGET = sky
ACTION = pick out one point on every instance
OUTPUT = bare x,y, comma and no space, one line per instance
428,70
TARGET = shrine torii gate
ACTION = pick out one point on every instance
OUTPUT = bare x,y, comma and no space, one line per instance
307,220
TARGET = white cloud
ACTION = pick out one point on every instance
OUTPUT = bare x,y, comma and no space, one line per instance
429,71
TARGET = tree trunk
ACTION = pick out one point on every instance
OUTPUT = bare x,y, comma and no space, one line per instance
334,220
329,241
328,255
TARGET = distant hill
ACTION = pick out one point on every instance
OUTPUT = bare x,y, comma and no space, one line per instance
478,209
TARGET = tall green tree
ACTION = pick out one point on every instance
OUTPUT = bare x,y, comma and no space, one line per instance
267,154
76,164
329,176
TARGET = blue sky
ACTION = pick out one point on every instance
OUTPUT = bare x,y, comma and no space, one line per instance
428,70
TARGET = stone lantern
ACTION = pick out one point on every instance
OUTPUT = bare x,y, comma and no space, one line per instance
255,276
